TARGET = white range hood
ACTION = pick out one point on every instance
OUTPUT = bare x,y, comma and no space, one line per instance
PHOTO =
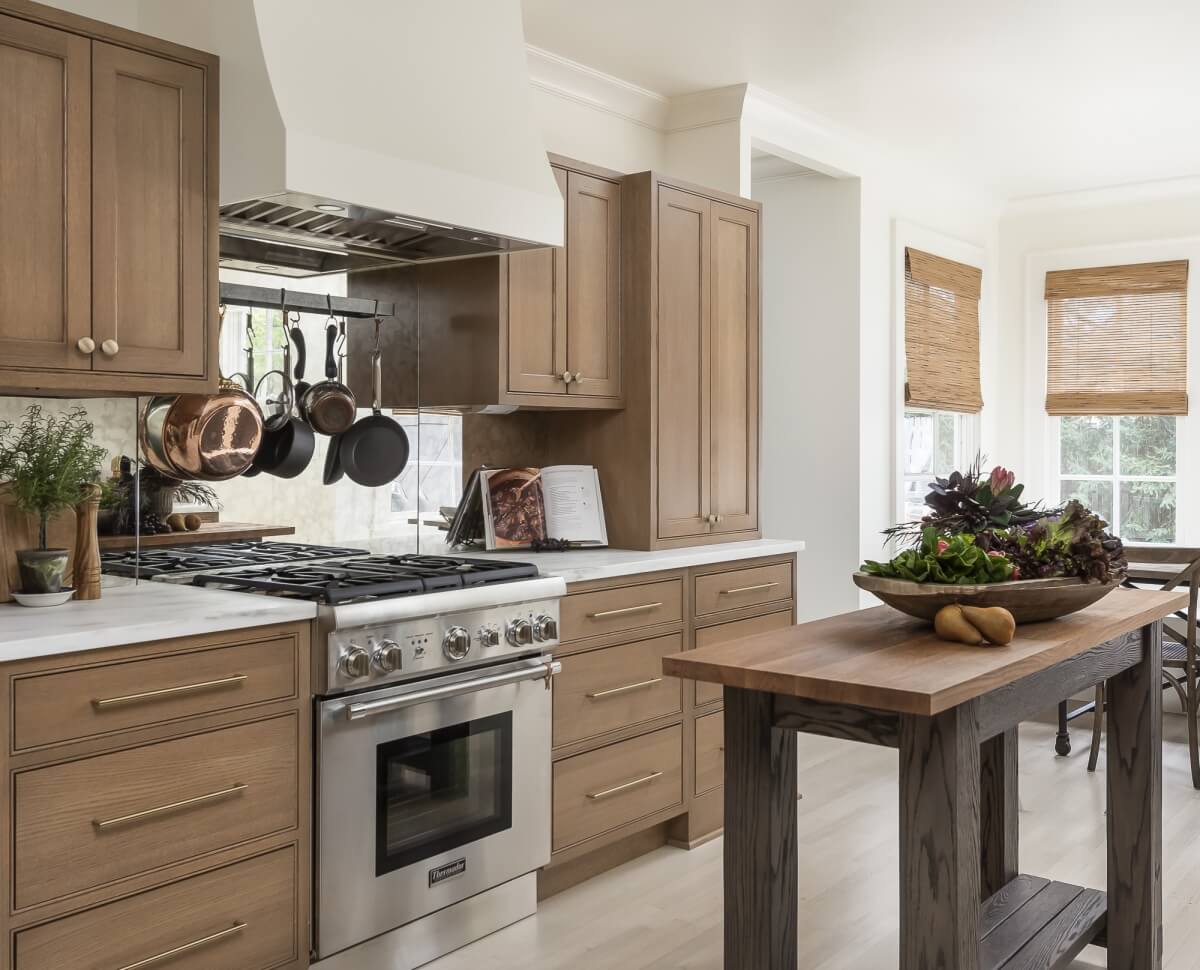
371,131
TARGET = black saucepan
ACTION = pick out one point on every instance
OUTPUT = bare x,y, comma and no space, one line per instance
375,450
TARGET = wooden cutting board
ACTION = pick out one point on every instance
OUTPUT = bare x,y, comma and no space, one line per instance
19,530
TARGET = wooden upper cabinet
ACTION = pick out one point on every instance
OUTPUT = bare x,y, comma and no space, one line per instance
45,196
708,366
563,319
734,374
108,189
684,440
537,317
148,214
593,286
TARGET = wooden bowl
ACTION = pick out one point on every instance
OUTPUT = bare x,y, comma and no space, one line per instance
1028,600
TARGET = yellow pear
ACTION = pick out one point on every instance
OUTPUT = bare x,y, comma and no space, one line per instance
951,624
994,622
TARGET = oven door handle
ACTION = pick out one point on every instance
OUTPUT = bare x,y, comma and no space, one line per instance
543,671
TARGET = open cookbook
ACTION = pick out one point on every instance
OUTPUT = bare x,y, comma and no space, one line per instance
512,508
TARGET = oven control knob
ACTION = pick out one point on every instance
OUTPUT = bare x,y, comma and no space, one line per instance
456,643
520,633
545,628
356,662
489,637
388,656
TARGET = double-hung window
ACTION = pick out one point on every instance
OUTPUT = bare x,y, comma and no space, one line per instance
1116,380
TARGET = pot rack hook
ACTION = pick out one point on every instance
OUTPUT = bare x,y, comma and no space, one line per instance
378,323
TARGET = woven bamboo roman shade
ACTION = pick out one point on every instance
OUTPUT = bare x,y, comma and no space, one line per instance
941,333
1117,339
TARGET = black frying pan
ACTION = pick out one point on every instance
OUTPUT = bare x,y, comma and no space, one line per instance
375,450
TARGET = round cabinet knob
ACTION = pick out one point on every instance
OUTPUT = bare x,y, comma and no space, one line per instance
711,518
456,644
356,662
567,377
520,633
110,347
86,345
489,637
579,377
388,656
545,628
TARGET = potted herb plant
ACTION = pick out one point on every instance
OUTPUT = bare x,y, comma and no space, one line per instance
48,463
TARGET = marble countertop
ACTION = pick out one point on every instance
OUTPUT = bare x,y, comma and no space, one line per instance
129,612
580,565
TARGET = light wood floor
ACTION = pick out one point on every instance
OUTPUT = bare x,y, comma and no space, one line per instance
663,911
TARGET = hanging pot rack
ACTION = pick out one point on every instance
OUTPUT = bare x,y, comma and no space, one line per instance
270,298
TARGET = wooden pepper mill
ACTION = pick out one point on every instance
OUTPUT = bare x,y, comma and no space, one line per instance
87,546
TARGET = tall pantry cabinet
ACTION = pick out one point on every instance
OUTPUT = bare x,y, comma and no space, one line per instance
679,466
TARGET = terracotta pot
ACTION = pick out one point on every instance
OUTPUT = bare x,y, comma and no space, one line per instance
42,570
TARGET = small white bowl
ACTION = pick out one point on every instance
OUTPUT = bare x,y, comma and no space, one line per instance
44,599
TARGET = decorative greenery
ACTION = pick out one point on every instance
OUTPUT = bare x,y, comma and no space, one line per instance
979,531
48,461
971,503
939,559
197,493
1075,543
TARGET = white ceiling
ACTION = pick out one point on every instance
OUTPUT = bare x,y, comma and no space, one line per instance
1025,97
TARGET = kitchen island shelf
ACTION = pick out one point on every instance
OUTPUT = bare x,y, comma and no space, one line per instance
1036,924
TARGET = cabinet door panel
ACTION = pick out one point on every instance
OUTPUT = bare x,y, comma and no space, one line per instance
735,368
537,317
683,364
149,225
45,196
593,285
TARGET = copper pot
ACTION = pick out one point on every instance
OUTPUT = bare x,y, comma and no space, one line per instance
208,437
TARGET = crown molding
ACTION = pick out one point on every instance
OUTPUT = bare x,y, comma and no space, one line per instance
576,82
1106,195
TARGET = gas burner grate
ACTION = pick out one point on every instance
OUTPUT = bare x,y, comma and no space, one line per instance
368,577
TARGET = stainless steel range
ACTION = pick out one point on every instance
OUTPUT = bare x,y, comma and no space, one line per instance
432,724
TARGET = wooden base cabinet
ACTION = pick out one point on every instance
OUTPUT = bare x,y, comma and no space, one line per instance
683,455
157,805
108,183
638,756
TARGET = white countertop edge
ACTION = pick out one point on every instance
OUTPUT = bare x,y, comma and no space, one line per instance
583,565
131,613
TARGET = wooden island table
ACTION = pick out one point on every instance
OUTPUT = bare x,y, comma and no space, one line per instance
879,677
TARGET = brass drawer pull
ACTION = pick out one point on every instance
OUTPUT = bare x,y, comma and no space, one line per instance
596,695
103,702
108,823
185,947
596,796
748,589
622,612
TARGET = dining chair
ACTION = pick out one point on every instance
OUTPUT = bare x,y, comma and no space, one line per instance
1168,568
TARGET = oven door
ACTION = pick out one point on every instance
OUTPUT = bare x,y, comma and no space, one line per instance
428,793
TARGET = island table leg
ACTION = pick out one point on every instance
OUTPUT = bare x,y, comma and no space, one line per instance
761,900
998,808
940,855
1134,754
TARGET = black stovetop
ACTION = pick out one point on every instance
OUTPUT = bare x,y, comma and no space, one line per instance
366,577
170,560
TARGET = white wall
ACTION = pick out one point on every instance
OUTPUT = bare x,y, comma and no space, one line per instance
810,381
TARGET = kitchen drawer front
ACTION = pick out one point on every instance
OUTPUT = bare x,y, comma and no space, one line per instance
603,690
606,788
52,708
239,917
626,608
710,752
87,823
706,636
717,592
